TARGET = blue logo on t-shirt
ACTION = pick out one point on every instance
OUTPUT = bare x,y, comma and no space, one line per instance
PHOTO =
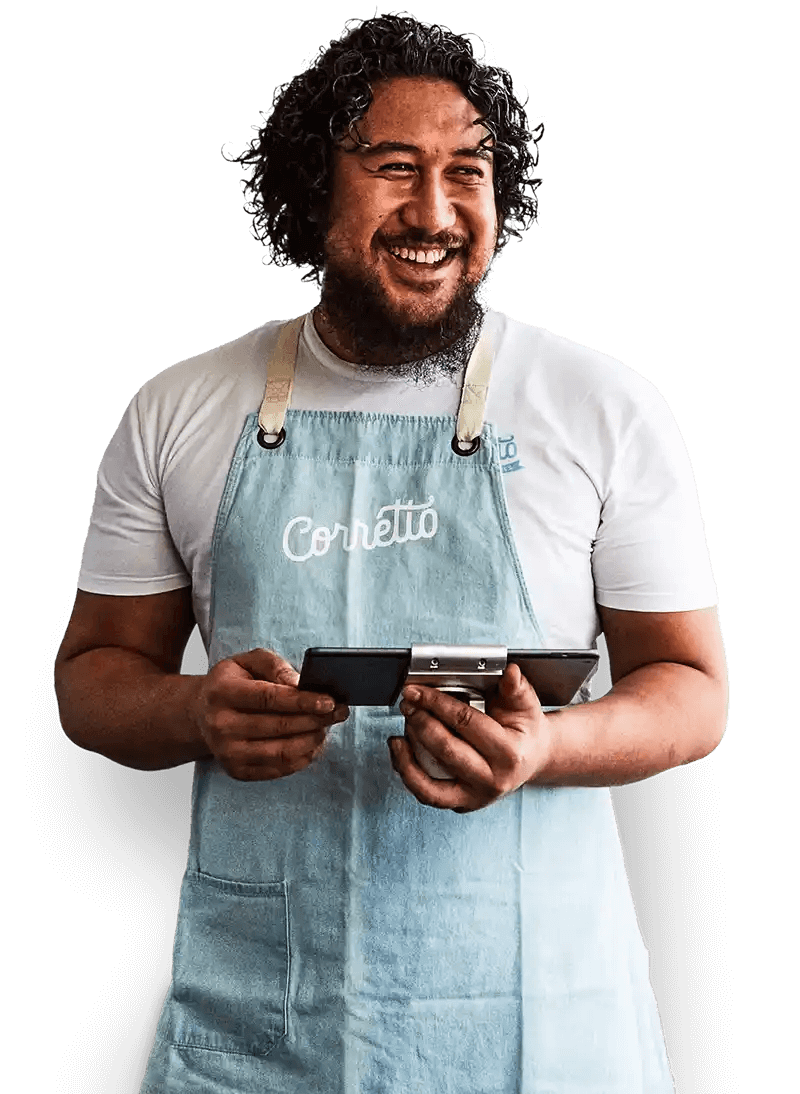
508,452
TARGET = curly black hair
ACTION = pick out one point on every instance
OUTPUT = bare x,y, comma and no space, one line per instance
291,156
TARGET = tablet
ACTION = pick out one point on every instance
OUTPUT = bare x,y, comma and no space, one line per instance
375,677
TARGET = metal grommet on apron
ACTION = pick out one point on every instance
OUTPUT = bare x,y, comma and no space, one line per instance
465,448
271,440
280,382
334,934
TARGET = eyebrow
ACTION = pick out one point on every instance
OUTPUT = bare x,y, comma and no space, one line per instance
480,152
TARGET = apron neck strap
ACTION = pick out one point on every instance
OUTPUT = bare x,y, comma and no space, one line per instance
472,405
280,380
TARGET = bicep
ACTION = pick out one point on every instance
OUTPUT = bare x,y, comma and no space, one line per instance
635,639
157,626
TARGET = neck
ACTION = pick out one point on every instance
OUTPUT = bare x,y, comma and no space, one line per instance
332,339
423,368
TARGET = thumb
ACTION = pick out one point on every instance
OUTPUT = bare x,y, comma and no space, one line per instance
267,665
514,691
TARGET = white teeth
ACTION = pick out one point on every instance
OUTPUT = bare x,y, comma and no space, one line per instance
428,258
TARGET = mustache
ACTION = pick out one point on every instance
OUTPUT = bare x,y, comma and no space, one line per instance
448,241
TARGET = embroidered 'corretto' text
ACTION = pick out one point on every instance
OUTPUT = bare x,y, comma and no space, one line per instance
402,522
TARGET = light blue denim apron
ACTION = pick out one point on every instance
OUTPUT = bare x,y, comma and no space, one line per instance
334,935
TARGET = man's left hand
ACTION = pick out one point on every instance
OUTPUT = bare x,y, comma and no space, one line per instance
488,755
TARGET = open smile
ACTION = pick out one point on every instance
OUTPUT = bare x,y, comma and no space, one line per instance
422,259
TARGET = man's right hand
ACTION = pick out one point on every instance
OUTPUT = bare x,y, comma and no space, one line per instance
254,720
121,693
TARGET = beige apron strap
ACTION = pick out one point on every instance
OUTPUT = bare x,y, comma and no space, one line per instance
472,406
280,378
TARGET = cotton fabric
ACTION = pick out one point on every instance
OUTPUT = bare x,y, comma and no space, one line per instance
334,934
600,491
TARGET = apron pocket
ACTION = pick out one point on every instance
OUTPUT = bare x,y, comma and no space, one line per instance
230,972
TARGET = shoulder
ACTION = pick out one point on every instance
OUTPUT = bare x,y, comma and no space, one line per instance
194,410
559,362
566,382
214,375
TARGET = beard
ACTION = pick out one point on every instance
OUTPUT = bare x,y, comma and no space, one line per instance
382,340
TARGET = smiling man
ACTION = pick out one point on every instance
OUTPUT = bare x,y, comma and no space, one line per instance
430,898
412,224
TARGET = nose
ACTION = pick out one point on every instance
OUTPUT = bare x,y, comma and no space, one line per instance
429,208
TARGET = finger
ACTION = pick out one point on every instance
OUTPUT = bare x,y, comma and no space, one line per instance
267,763
456,755
480,730
258,695
515,705
428,791
281,752
267,665
515,693
232,725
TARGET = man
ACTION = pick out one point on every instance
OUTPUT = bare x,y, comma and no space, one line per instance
348,924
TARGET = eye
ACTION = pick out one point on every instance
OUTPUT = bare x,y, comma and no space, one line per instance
396,167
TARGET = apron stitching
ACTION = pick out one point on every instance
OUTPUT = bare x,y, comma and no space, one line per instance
288,961
241,509
498,489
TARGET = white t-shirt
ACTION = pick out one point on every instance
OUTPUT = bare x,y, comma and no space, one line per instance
600,491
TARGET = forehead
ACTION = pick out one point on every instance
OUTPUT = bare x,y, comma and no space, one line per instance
421,111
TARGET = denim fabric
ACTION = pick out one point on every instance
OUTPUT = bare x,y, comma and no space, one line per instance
334,935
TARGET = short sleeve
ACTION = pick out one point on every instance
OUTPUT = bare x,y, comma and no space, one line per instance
129,549
650,552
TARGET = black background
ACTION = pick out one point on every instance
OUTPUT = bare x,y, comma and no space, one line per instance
153,259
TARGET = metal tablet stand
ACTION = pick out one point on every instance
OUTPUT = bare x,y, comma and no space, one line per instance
465,672
468,670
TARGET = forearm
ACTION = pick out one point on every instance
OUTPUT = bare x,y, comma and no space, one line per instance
657,717
118,703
